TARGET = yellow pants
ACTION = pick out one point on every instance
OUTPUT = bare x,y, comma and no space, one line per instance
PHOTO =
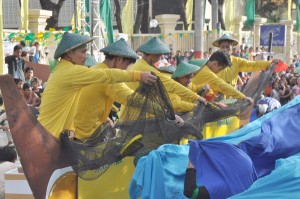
113,184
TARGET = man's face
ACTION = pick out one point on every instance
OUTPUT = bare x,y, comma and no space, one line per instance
185,80
216,68
155,58
18,53
122,63
35,84
29,74
27,92
78,55
226,46
20,85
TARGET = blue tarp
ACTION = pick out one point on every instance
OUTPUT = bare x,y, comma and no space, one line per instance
161,173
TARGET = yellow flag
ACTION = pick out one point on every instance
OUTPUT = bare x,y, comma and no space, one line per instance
189,13
127,17
78,17
289,10
1,41
229,15
24,14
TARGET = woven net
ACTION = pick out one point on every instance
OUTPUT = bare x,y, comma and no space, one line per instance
257,82
147,122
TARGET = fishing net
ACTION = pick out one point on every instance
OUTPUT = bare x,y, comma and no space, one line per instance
257,82
147,122
215,111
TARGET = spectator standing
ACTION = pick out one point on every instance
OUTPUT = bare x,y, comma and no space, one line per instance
16,64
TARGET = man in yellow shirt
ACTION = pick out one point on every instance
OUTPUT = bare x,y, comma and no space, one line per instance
60,97
230,74
96,100
217,62
93,108
152,50
183,74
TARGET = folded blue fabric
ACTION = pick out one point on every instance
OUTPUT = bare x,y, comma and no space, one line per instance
222,168
161,173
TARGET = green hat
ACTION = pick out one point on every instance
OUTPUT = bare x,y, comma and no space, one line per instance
225,37
154,46
198,62
70,41
184,69
90,61
120,48
169,69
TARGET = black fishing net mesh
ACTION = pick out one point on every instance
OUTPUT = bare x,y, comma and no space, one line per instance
257,82
148,122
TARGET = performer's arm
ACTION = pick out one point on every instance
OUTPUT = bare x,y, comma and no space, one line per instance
190,187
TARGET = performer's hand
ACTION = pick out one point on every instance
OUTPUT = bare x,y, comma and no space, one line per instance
201,99
190,165
71,135
220,104
5,128
276,61
111,123
249,99
179,121
148,78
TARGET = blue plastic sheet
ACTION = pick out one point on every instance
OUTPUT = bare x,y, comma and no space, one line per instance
161,173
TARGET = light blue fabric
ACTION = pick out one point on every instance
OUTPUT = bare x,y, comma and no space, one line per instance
161,173
150,167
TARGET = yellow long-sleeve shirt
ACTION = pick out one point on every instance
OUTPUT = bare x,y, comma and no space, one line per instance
171,86
61,95
95,103
230,74
207,76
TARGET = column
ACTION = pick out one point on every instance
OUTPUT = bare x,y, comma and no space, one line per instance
37,19
238,25
257,23
289,24
167,24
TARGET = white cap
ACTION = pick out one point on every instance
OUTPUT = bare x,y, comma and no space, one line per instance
262,108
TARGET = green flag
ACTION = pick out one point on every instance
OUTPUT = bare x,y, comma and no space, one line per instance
250,13
105,13
297,15
87,17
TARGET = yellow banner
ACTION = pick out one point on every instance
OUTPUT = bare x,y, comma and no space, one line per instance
289,9
229,14
127,17
1,41
189,13
24,14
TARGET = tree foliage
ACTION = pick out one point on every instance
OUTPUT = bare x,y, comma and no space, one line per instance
272,11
